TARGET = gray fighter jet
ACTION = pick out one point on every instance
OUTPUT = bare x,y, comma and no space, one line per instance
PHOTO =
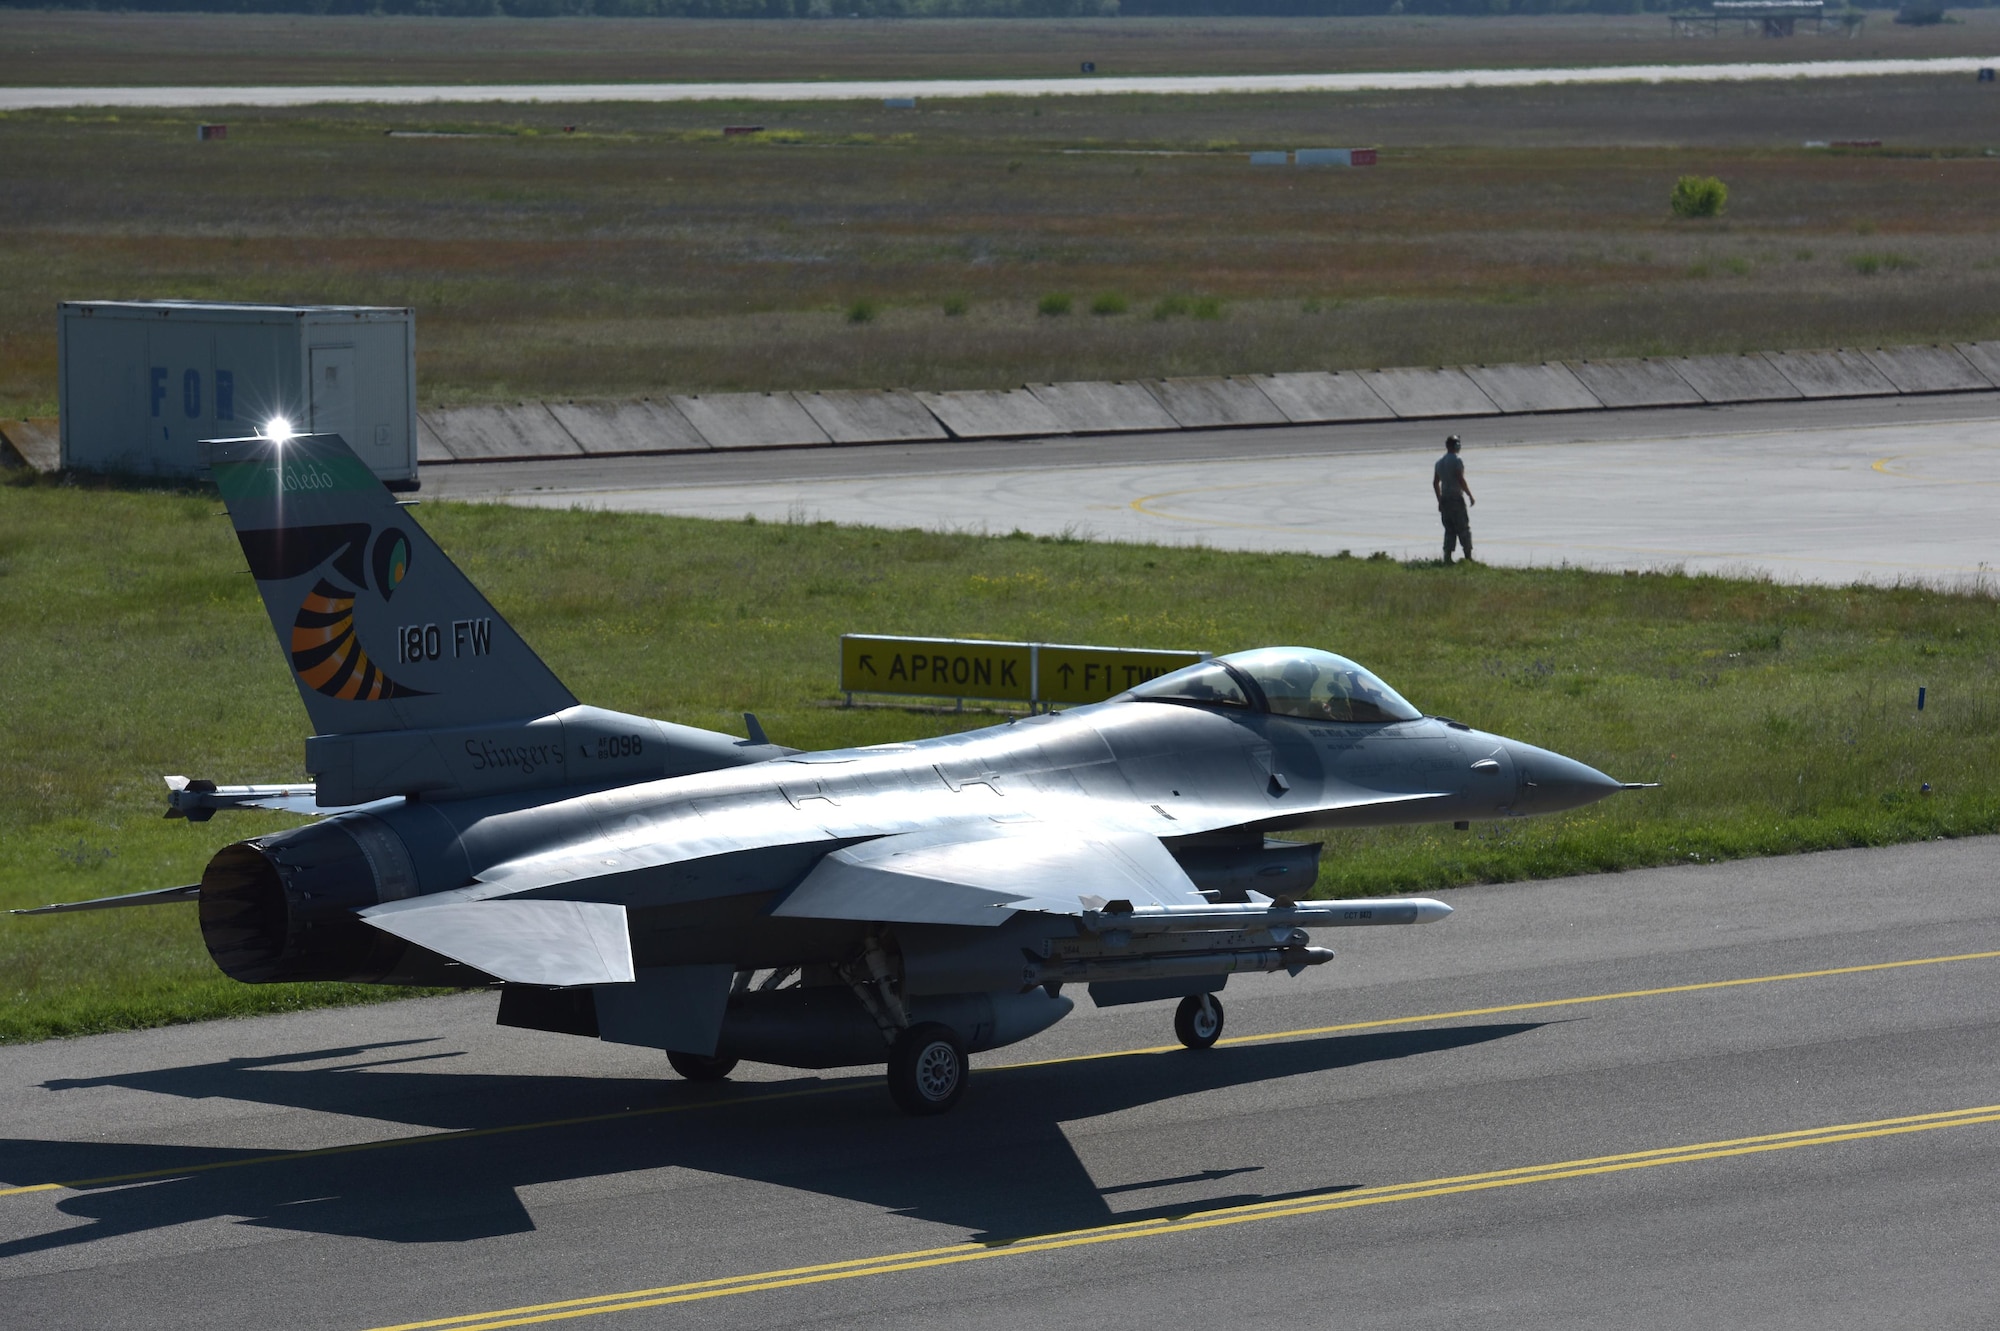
723,899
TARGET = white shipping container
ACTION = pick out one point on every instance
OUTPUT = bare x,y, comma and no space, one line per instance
142,383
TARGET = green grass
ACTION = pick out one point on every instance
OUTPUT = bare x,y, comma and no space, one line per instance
131,644
648,254
1699,196
1870,264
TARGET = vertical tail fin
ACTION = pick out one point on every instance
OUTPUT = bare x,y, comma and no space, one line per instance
380,629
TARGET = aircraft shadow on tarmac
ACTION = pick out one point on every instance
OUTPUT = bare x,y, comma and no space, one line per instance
997,1168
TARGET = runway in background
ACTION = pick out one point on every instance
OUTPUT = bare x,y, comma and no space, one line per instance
1878,491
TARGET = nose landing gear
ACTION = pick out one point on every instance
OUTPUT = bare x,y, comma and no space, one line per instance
1198,1020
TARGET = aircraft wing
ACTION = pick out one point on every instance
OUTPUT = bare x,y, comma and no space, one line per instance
1365,806
959,875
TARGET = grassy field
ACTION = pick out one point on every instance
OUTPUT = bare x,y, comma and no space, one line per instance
645,253
78,48
1778,718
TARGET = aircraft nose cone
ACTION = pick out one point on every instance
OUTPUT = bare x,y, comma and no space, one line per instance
1551,782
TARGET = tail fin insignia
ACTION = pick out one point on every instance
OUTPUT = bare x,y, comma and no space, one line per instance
327,654
356,589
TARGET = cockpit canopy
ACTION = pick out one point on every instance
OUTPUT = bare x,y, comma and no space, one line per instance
1285,681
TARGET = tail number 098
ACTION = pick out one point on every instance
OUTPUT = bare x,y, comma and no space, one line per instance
619,746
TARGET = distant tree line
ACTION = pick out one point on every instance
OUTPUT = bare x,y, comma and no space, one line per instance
783,9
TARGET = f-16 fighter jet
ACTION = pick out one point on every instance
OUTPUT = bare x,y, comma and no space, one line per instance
724,899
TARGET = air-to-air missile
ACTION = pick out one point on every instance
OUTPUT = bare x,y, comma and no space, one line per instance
722,898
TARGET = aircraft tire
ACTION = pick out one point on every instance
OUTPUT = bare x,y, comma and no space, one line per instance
700,1067
1198,1020
927,1069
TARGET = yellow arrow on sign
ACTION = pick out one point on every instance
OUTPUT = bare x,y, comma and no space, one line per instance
1092,674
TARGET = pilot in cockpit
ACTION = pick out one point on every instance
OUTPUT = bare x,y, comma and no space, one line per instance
1302,694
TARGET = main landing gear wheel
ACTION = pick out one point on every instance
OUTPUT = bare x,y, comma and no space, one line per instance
1198,1020
700,1067
927,1069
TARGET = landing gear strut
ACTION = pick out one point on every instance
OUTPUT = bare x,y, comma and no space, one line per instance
927,1069
700,1067
1198,1020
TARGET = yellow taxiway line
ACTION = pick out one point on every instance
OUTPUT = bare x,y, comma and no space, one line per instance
1536,1005
1887,466
856,1084
1250,1213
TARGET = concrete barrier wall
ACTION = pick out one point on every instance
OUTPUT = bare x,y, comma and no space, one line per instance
1634,383
1927,369
35,440
751,420
1830,373
1206,403
1517,389
1735,379
871,417
1421,393
697,423
1320,396
644,426
526,430
430,448
1983,357
993,413
1104,408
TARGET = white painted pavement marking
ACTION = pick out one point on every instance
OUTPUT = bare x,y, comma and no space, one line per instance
1876,504
25,99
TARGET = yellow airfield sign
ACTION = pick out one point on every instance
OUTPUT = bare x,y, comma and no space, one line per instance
1065,673
1030,672
937,667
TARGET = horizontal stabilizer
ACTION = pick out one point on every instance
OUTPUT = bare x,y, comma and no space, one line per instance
159,896
552,943
955,876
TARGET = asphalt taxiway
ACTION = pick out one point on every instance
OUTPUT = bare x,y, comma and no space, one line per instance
1877,490
1761,1093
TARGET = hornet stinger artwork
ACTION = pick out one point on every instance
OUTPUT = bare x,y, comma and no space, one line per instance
722,899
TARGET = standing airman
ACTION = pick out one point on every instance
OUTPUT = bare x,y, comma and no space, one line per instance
1453,494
